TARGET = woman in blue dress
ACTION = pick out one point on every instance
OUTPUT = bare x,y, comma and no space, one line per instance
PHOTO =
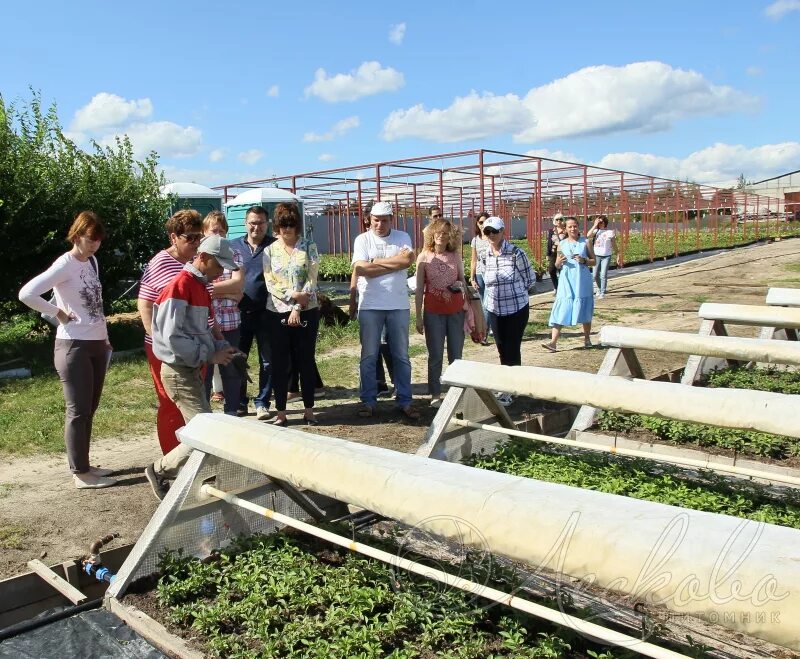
574,303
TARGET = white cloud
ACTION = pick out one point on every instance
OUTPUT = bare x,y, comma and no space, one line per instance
778,9
597,100
718,164
754,70
106,111
250,157
217,154
370,78
165,137
397,33
468,118
326,157
209,177
339,129
274,91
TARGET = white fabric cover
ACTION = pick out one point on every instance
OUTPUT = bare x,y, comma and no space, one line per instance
730,408
724,347
657,553
750,314
784,297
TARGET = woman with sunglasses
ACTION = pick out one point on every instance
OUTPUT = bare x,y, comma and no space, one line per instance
508,276
479,247
185,231
574,303
82,349
291,267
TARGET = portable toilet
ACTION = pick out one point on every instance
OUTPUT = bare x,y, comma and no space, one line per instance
268,198
191,195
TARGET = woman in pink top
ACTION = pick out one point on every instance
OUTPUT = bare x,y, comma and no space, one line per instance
440,289
82,349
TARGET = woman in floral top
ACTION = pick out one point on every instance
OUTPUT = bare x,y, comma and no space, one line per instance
291,265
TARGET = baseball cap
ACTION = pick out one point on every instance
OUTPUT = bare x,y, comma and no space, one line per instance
220,249
494,222
381,208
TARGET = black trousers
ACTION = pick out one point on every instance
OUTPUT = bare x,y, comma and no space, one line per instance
552,270
508,331
293,347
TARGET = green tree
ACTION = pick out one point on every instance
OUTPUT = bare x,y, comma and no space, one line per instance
46,180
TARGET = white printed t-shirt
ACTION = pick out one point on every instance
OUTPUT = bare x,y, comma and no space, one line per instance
602,242
388,291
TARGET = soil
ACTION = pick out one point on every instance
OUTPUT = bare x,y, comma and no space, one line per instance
43,516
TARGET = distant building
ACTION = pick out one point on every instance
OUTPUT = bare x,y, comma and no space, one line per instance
785,187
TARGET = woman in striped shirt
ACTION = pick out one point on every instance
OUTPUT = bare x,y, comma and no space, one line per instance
185,230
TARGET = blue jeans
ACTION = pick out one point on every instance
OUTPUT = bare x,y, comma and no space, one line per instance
600,272
371,323
231,380
254,326
438,327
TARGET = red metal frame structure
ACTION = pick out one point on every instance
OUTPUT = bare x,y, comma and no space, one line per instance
514,185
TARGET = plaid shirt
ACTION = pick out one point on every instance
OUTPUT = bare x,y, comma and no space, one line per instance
508,276
227,311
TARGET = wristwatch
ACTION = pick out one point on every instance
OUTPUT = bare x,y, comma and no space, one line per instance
297,307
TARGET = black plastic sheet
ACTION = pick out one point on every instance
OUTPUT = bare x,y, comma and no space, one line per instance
96,634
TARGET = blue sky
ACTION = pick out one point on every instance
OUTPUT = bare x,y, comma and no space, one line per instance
230,91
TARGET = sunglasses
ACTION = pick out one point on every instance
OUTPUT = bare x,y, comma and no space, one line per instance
192,237
436,217
488,231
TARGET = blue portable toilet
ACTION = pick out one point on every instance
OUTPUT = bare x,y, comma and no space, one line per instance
236,209
192,195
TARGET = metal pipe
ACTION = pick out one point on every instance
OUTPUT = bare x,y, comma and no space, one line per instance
589,629
632,453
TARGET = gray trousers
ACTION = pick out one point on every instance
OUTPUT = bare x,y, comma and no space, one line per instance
439,327
184,385
81,366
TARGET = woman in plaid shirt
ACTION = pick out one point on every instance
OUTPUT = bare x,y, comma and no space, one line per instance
508,276
227,292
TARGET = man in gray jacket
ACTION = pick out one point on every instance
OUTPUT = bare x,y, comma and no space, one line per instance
185,340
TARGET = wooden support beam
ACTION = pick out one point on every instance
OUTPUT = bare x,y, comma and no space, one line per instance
59,583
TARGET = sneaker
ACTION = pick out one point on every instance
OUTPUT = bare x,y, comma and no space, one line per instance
387,392
88,481
436,402
601,296
100,471
217,397
242,411
157,483
262,413
320,392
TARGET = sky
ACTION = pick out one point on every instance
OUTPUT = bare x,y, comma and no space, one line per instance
235,91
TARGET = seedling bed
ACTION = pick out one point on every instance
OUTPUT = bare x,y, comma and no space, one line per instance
757,446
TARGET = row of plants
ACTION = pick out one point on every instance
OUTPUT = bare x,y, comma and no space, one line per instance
747,442
284,595
336,267
642,479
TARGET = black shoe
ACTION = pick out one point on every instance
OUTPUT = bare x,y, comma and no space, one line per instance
311,422
242,411
159,485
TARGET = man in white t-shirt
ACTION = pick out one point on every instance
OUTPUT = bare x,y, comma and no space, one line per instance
381,258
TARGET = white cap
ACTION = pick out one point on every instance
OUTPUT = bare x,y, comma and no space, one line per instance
381,208
558,216
494,222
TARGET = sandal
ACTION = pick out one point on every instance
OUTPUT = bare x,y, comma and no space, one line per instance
410,412
549,346
281,423
365,411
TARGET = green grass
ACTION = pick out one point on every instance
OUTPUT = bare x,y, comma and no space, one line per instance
13,536
32,410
